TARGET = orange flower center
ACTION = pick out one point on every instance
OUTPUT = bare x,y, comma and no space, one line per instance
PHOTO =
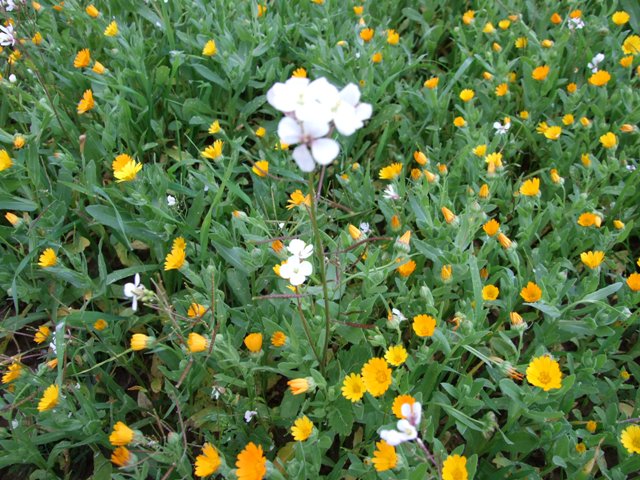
381,377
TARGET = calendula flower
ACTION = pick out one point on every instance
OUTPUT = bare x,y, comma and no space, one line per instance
18,142
468,17
480,150
262,9
618,224
92,11
122,435
366,34
455,468
299,385
140,341
521,42
491,227
213,152
49,399
609,140
400,400
467,95
98,68
431,83
120,161
197,343
209,49
544,372
502,90
208,462
592,259
626,62
127,172
302,429
42,334
353,387
490,292
556,19
393,37
261,168
631,46
251,463
86,103
384,457
390,172
600,78
376,57
445,273
278,339
299,73
121,457
553,133
630,438
14,371
591,426
196,310
111,30
12,218
555,177
540,73
175,259
376,376
634,282
297,198
83,58
406,268
488,28
531,187
48,258
424,325
546,43
620,17
100,324
459,122
253,342
448,215
396,355
568,119
589,219
214,127
531,293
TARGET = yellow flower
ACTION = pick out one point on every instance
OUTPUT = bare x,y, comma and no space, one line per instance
278,339
261,168
196,310
531,187
298,385
393,37
395,223
420,157
207,463
631,46
49,399
502,90
120,161
400,400
302,429
83,58
555,177
589,219
253,342
544,372
354,232
620,18
297,199
92,11
467,94
299,73
490,292
445,273
480,150
581,447
353,387
384,457
504,240
140,341
634,282
111,30
504,24
5,160
627,61
455,468
488,28
213,152
396,355
609,140
592,259
515,318
556,19
376,376
42,334
546,43
600,78
390,172
521,42
407,268
87,103
487,75
568,119
572,87
37,38
484,191
424,325
12,218
575,14
175,259
553,133
14,371
468,17
48,258
36,6
431,83
121,457
197,343
448,215
591,426
262,9
376,57
459,122
540,73
98,68
531,293
358,10
630,438
214,127
491,227
128,171
210,49
366,34
179,243
618,224
251,463
100,324
121,435
585,122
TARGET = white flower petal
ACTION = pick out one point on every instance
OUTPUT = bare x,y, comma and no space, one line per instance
305,269
350,94
297,279
280,98
289,131
315,128
364,111
296,246
325,150
303,158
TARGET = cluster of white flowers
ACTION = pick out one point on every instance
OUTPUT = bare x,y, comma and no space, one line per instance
312,110
595,62
7,36
407,428
297,269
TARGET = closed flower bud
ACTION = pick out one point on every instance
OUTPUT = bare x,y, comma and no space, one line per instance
618,224
395,223
484,191
504,240
449,216
420,157
402,243
355,232
555,177
431,177
445,273
13,219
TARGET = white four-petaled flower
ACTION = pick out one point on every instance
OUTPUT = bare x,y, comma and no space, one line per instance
134,291
407,428
296,271
299,249
7,37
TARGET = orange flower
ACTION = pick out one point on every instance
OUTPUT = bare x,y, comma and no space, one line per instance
540,73
531,293
251,463
407,268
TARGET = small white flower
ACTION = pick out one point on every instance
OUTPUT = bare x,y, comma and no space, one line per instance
171,200
364,227
406,428
134,291
13,78
397,315
502,129
299,249
9,5
631,168
249,414
575,24
595,61
390,193
7,37
15,423
296,271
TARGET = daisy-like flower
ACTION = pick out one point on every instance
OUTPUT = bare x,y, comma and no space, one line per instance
407,427
111,30
210,49
609,140
278,339
297,198
620,17
251,463
48,258
575,23
376,376
208,462
353,387
7,36
384,457
176,258
313,148
395,317
544,372
299,385
49,399
633,282
296,271
490,293
552,133
261,168
42,334
589,219
531,187
449,216
366,34
592,259
213,152
5,160
424,325
631,45
540,73
390,193
134,291
491,227
396,355
455,468
630,438
14,371
122,457
127,172
302,429
122,435
197,343
100,324
92,11
83,58
531,293
140,341
86,103
249,414
196,310
390,172
407,268
600,78
300,249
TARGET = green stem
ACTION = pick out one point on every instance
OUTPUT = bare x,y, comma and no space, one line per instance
319,247
305,325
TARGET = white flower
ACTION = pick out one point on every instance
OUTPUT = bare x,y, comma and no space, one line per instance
390,193
171,200
13,78
296,271
9,5
595,61
364,227
502,129
293,96
313,148
575,23
397,315
7,37
249,414
134,291
299,249
407,427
